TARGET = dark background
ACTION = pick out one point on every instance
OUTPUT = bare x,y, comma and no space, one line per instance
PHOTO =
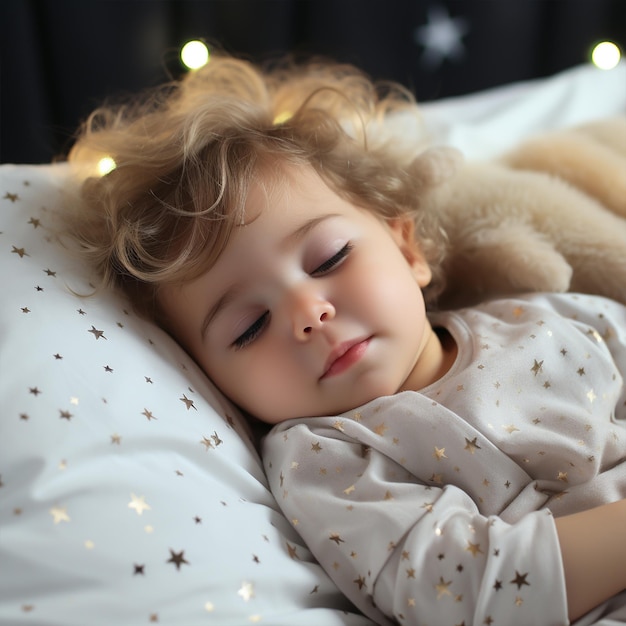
60,58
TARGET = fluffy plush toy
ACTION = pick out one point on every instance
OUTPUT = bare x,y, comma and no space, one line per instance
548,216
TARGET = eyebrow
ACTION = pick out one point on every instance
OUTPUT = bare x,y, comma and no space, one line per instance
234,290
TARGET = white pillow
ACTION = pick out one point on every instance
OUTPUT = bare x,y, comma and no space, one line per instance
487,123
130,490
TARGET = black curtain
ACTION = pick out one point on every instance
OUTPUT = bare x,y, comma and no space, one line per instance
60,58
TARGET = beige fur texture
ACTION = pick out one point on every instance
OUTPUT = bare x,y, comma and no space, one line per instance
548,216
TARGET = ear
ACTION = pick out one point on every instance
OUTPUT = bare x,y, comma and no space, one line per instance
403,233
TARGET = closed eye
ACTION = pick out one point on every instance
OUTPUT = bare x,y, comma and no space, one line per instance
252,332
334,260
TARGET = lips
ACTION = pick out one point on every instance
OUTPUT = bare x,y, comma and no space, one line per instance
344,356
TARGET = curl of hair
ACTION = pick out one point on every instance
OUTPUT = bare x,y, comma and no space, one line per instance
187,152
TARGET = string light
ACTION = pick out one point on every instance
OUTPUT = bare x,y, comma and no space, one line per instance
606,55
282,117
194,54
105,165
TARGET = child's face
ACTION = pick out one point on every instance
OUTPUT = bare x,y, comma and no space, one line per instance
315,306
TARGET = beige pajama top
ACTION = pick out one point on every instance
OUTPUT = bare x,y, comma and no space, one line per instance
437,507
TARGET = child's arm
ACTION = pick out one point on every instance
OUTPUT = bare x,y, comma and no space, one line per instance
593,548
402,549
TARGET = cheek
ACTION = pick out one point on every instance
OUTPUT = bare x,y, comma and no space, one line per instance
260,381
385,282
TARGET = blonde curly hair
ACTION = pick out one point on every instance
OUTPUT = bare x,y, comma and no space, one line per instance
186,154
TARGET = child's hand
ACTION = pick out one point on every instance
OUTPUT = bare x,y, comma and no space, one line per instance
593,548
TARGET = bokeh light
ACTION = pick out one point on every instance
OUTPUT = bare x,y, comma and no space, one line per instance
105,165
194,54
282,117
606,55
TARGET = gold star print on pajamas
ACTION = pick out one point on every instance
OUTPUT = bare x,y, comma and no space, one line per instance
440,505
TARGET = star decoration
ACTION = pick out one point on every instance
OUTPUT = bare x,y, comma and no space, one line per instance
21,252
336,538
441,37
148,414
97,333
440,453
292,550
59,514
381,429
537,367
207,443
442,588
316,447
474,548
246,591
360,582
138,503
13,197
178,558
138,570
471,446
520,580
188,403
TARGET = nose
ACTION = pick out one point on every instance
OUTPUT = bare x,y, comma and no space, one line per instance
310,312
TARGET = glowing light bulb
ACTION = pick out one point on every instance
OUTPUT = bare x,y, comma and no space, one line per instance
105,165
281,118
606,55
194,54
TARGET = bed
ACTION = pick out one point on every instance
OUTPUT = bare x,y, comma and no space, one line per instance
130,490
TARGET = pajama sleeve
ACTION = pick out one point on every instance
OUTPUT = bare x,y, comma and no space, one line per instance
388,514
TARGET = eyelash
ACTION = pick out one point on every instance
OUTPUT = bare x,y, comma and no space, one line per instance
328,265
252,332
257,327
